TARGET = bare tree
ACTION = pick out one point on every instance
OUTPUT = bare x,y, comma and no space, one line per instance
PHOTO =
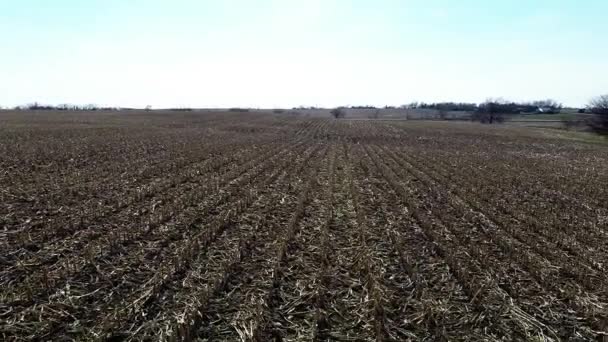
338,113
599,108
493,111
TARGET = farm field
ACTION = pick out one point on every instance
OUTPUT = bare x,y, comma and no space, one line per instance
257,227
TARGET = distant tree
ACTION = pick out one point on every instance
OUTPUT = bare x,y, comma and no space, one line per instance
599,108
363,107
494,111
238,110
278,111
548,106
527,108
449,106
412,105
38,106
148,108
581,111
338,112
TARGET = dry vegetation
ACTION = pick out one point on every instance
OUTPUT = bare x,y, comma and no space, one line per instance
241,226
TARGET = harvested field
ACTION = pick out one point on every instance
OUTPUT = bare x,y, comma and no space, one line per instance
252,227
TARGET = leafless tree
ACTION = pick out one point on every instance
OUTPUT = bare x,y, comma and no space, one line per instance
599,108
492,111
338,113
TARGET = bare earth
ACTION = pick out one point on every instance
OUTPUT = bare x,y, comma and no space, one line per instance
258,227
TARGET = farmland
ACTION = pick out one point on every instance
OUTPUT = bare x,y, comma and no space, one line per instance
258,227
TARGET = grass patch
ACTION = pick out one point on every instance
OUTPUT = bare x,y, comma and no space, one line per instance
579,136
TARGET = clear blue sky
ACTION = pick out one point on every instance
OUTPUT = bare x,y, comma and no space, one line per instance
275,53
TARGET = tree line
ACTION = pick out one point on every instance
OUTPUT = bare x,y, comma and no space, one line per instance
497,110
546,106
65,107
490,112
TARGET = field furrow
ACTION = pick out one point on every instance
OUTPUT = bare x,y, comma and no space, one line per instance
114,270
513,251
243,225
242,312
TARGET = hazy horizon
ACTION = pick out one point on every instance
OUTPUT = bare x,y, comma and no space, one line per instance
271,53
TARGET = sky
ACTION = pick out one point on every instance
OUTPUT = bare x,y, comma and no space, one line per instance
286,53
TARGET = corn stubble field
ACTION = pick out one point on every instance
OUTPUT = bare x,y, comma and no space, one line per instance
228,227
